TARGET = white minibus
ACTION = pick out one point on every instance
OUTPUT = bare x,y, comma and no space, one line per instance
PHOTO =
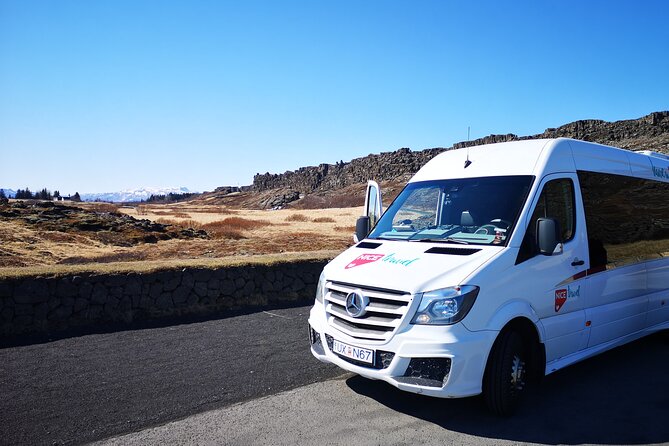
498,264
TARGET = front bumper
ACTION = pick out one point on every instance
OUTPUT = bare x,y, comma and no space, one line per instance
414,351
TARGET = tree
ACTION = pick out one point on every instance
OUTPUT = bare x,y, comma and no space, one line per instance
24,194
2,194
44,194
56,194
76,197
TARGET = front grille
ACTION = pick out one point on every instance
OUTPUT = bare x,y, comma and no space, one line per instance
382,359
383,316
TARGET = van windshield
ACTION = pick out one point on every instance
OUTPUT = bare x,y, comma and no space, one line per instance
468,211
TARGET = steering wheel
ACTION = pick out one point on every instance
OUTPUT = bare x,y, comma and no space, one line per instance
499,223
486,230
404,225
489,228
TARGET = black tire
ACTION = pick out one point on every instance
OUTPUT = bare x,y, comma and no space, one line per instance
505,378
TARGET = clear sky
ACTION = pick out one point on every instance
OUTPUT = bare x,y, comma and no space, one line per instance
104,95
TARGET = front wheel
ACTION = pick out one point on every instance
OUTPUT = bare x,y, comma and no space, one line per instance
505,378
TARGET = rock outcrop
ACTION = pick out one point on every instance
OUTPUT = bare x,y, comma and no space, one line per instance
110,228
650,132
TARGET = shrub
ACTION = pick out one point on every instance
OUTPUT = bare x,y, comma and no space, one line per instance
345,228
218,229
103,207
323,220
236,223
297,217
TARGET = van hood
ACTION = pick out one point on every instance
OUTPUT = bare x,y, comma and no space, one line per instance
411,267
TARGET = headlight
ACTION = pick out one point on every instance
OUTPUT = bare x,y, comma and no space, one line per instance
445,306
320,289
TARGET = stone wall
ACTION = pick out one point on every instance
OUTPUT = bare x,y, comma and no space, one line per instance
55,303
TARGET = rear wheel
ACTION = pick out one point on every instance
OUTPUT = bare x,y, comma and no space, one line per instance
506,374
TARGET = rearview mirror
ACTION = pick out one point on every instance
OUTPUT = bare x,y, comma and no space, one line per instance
548,235
362,227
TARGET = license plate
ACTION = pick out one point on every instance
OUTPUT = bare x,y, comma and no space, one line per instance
352,352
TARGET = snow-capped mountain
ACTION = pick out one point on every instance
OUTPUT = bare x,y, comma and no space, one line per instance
134,194
9,193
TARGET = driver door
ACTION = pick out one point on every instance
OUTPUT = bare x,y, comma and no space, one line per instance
373,207
558,280
371,212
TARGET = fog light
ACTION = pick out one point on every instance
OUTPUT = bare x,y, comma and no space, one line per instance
429,372
315,341
314,336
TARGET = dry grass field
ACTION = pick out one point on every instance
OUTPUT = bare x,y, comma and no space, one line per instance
231,233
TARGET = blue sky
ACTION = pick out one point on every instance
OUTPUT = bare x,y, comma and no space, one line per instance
106,95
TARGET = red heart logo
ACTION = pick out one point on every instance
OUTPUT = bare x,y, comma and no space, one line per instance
560,299
364,258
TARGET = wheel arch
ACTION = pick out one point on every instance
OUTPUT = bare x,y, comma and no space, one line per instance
531,334
513,310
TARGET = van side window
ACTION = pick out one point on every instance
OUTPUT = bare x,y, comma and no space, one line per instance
556,201
627,219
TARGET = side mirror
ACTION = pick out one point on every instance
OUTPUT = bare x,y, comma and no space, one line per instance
362,227
548,235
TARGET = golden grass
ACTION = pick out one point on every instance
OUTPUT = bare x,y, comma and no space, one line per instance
251,233
186,224
171,214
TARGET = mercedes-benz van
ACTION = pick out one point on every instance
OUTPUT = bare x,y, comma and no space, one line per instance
498,263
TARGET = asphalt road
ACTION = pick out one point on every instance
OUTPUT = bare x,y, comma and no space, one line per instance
619,398
251,380
84,388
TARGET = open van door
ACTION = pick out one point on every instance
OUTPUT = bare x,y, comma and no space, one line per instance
372,211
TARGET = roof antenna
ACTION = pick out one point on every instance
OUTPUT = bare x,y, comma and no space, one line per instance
467,162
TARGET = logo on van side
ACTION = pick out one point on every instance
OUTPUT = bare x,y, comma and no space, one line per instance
369,258
562,295
364,258
390,258
661,172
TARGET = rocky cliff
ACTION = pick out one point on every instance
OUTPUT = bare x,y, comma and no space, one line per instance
650,132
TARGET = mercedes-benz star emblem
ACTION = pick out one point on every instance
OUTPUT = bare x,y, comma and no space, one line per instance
356,303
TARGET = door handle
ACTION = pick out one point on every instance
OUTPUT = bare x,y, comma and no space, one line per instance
577,262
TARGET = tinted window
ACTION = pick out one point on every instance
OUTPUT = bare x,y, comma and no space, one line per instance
627,219
556,201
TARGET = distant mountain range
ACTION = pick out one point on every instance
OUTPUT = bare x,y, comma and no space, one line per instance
9,193
134,194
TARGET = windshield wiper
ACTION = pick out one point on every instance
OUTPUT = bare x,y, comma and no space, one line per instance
440,240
